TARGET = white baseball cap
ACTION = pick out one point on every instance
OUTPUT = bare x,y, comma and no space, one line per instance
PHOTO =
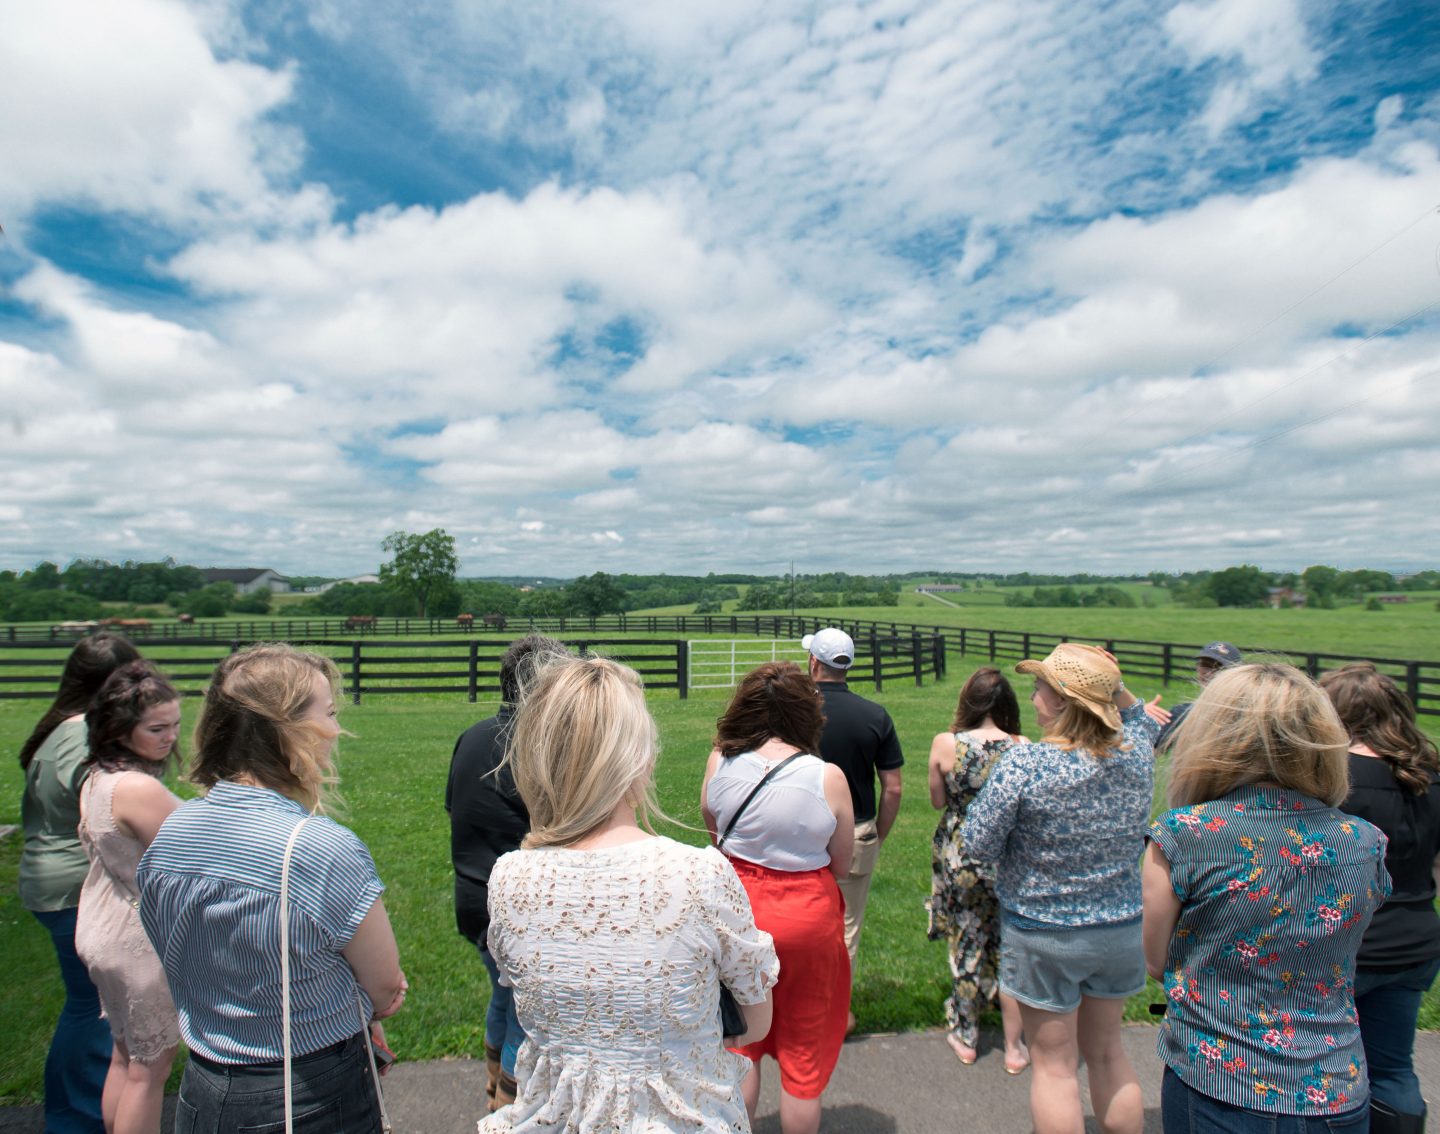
831,647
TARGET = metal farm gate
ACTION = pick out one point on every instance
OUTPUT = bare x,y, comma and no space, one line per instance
718,663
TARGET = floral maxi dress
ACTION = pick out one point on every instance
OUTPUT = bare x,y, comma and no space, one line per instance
964,910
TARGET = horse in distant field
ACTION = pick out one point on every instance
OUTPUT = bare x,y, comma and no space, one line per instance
465,621
361,622
495,621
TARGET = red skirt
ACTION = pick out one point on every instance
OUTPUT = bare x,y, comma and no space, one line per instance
805,915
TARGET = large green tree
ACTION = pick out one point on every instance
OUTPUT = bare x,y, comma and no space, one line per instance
1245,585
594,595
420,565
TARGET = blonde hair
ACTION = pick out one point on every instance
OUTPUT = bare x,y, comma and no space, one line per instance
1078,727
583,743
253,725
1263,723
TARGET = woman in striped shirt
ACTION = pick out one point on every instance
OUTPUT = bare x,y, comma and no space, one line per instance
210,902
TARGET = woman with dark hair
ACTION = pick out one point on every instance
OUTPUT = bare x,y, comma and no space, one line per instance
52,870
1065,819
963,908
133,724
210,899
1257,892
783,816
1395,784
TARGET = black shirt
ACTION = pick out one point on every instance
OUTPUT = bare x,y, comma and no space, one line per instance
487,818
859,739
1405,931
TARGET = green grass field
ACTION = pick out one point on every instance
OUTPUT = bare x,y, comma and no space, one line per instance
393,773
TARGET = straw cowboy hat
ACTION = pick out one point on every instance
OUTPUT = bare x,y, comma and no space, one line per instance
1084,674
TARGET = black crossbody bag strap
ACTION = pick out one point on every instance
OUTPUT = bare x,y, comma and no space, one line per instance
730,826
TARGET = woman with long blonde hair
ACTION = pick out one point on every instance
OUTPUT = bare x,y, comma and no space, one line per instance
615,939
1257,892
1395,784
210,902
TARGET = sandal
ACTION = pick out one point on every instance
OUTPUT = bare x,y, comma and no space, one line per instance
1022,1066
963,1052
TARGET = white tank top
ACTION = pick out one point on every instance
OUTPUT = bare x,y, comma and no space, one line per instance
787,825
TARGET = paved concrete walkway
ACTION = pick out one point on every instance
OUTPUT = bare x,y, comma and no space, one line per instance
898,1084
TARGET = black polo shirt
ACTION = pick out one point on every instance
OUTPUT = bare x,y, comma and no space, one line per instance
859,739
487,818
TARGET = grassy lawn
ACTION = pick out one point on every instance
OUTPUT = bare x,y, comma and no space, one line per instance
393,773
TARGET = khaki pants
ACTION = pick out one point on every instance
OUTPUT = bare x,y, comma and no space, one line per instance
855,886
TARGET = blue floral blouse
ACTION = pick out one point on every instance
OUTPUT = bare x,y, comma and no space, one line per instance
1276,890
1067,828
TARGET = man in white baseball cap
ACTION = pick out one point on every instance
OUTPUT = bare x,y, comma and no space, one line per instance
860,740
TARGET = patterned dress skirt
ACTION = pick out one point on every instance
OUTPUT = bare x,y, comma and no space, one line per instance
963,908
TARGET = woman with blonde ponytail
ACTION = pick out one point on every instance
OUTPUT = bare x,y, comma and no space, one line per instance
616,940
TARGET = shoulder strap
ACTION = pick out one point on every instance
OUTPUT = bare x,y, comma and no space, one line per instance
730,826
285,965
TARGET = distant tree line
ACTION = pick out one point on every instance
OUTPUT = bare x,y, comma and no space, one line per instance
89,588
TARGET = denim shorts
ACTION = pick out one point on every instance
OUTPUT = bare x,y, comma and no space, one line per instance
1053,968
333,1092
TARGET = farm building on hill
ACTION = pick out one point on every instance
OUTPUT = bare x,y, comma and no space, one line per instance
1280,596
249,580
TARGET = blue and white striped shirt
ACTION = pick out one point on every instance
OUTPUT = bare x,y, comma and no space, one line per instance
210,903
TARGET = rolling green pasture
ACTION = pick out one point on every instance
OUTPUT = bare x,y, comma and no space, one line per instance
393,771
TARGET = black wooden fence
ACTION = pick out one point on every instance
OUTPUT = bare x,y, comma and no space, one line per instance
368,667
889,650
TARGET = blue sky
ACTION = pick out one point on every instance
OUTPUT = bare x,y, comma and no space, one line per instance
717,286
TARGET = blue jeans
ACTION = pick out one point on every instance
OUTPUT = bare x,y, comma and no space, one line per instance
1388,1004
79,1055
502,1028
332,1092
1184,1110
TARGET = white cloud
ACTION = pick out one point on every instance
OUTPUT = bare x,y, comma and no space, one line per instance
1266,37
125,106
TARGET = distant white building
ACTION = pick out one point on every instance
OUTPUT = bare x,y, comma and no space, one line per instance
249,580
323,587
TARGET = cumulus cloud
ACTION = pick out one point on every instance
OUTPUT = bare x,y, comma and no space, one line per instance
125,106
976,284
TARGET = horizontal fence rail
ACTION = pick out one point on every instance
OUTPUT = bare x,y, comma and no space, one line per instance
889,650
367,667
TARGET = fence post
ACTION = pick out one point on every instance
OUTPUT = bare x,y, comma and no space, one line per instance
355,672
942,662
474,668
1165,660
918,658
992,645
963,643
875,662
1412,682
682,668
1312,666
1025,645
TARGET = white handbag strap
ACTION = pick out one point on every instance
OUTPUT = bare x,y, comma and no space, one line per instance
285,967
285,994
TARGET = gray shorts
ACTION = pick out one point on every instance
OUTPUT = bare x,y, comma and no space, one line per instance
1053,968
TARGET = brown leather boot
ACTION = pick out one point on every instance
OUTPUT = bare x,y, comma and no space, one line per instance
505,1091
492,1074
